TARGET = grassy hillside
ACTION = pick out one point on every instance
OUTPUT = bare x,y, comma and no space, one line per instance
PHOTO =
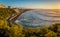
6,12
13,30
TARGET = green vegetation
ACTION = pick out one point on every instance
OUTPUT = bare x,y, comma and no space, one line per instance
6,12
18,31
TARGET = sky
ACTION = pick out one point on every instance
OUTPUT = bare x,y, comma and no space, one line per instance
38,4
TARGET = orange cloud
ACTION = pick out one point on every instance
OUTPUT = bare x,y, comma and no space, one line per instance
51,6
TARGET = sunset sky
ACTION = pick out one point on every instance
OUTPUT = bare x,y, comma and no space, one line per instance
44,4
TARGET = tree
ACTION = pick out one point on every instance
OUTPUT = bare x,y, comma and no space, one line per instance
43,31
53,27
4,28
16,30
33,36
51,34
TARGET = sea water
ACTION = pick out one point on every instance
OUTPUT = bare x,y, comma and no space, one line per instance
38,18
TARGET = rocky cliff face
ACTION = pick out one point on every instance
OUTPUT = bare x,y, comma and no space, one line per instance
2,6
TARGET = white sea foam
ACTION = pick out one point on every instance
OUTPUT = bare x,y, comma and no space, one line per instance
38,18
